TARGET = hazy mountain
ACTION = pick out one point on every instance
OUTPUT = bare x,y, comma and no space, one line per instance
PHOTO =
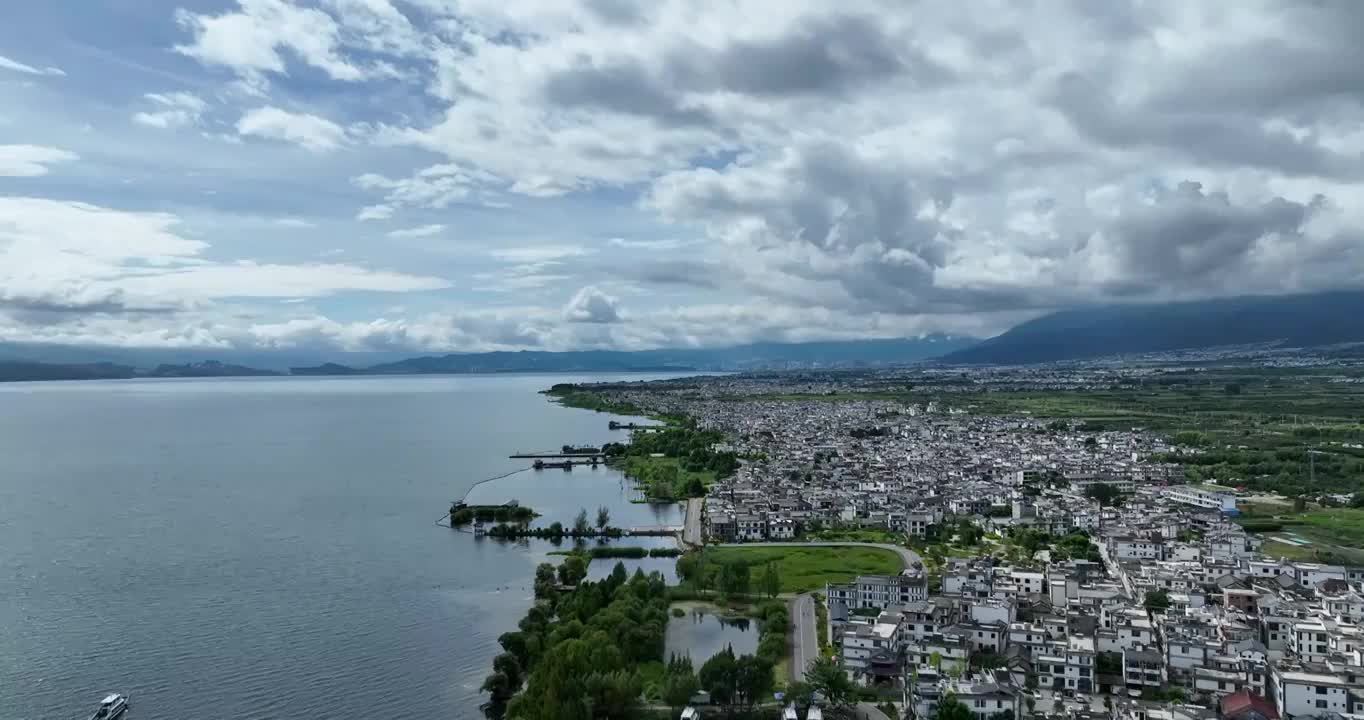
1291,320
17,371
860,353
98,363
208,368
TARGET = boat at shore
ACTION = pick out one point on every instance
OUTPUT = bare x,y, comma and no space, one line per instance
110,707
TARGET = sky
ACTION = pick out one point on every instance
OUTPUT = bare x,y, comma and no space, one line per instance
468,175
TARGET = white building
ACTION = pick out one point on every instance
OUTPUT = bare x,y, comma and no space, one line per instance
1312,690
1210,497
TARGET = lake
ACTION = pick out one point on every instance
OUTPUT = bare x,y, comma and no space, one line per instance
268,548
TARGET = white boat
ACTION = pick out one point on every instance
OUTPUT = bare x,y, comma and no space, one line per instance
111,707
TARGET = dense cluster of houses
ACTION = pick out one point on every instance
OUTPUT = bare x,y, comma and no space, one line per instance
1181,599
1176,615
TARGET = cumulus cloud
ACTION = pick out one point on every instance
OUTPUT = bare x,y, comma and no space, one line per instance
310,132
591,305
250,39
31,160
60,260
795,170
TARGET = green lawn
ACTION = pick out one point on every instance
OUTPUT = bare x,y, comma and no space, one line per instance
810,568
1340,526
1276,549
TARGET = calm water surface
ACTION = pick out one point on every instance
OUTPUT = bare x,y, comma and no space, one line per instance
700,634
266,548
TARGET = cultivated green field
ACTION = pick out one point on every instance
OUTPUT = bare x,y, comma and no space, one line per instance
810,568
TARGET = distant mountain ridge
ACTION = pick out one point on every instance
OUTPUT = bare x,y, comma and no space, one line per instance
743,357
34,364
1309,320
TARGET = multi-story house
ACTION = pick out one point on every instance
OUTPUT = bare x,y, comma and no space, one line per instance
1313,689
1142,668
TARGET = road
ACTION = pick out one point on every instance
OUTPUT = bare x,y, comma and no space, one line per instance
691,532
867,711
908,558
804,640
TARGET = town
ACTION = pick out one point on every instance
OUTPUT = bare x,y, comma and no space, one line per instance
1050,569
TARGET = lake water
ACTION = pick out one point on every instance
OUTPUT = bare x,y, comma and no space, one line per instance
702,633
267,548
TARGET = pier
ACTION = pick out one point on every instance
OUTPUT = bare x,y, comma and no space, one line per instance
564,464
613,425
601,457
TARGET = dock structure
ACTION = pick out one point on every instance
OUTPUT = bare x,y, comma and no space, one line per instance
601,457
563,464
614,425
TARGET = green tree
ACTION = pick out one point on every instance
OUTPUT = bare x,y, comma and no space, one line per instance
719,676
800,694
603,517
950,708
679,683
500,691
573,569
517,645
827,678
686,566
1157,601
752,679
545,582
1107,495
510,667
580,524
735,578
771,581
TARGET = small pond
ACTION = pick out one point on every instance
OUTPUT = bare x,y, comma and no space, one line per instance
702,633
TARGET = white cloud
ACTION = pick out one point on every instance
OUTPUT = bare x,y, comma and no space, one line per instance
418,232
177,109
538,253
310,132
293,222
16,66
249,40
591,305
31,160
374,212
435,187
656,244
58,255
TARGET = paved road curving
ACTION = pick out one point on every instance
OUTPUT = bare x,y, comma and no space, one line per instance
804,641
908,558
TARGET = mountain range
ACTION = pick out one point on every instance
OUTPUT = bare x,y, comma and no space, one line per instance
62,363
1291,321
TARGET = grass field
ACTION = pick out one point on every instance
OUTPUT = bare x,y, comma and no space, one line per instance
1276,549
810,568
1335,530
